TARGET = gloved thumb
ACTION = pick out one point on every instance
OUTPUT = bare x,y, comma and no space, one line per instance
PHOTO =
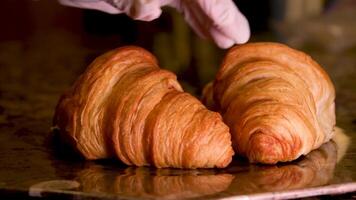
144,10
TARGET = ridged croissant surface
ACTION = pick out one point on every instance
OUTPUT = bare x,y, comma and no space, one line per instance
125,105
277,101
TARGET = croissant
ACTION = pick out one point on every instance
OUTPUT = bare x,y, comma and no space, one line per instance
277,101
124,105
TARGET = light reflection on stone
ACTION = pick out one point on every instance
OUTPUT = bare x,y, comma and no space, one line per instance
314,169
145,182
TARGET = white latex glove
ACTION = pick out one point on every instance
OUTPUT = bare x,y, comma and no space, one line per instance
219,20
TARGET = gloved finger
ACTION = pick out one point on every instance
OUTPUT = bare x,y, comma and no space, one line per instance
227,19
194,16
220,39
145,10
203,28
92,4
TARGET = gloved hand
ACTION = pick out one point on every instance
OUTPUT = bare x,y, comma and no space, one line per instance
219,20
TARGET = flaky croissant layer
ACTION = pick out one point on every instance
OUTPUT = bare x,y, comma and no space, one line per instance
277,101
124,105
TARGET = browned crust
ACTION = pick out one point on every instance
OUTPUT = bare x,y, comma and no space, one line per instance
277,101
124,105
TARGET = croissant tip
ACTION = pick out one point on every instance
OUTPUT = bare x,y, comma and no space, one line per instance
265,149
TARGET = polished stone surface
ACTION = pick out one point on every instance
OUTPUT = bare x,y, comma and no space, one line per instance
34,71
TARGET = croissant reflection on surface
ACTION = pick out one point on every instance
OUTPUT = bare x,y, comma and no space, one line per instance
124,104
315,169
141,182
277,101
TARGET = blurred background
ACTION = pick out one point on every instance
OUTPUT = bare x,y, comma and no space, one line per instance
44,46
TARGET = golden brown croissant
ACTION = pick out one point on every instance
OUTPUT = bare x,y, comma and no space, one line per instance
125,105
277,101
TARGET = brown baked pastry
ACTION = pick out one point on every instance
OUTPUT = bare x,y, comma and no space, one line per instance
125,105
277,101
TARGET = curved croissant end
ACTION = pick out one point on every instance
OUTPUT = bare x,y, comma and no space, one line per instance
125,105
315,169
278,102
